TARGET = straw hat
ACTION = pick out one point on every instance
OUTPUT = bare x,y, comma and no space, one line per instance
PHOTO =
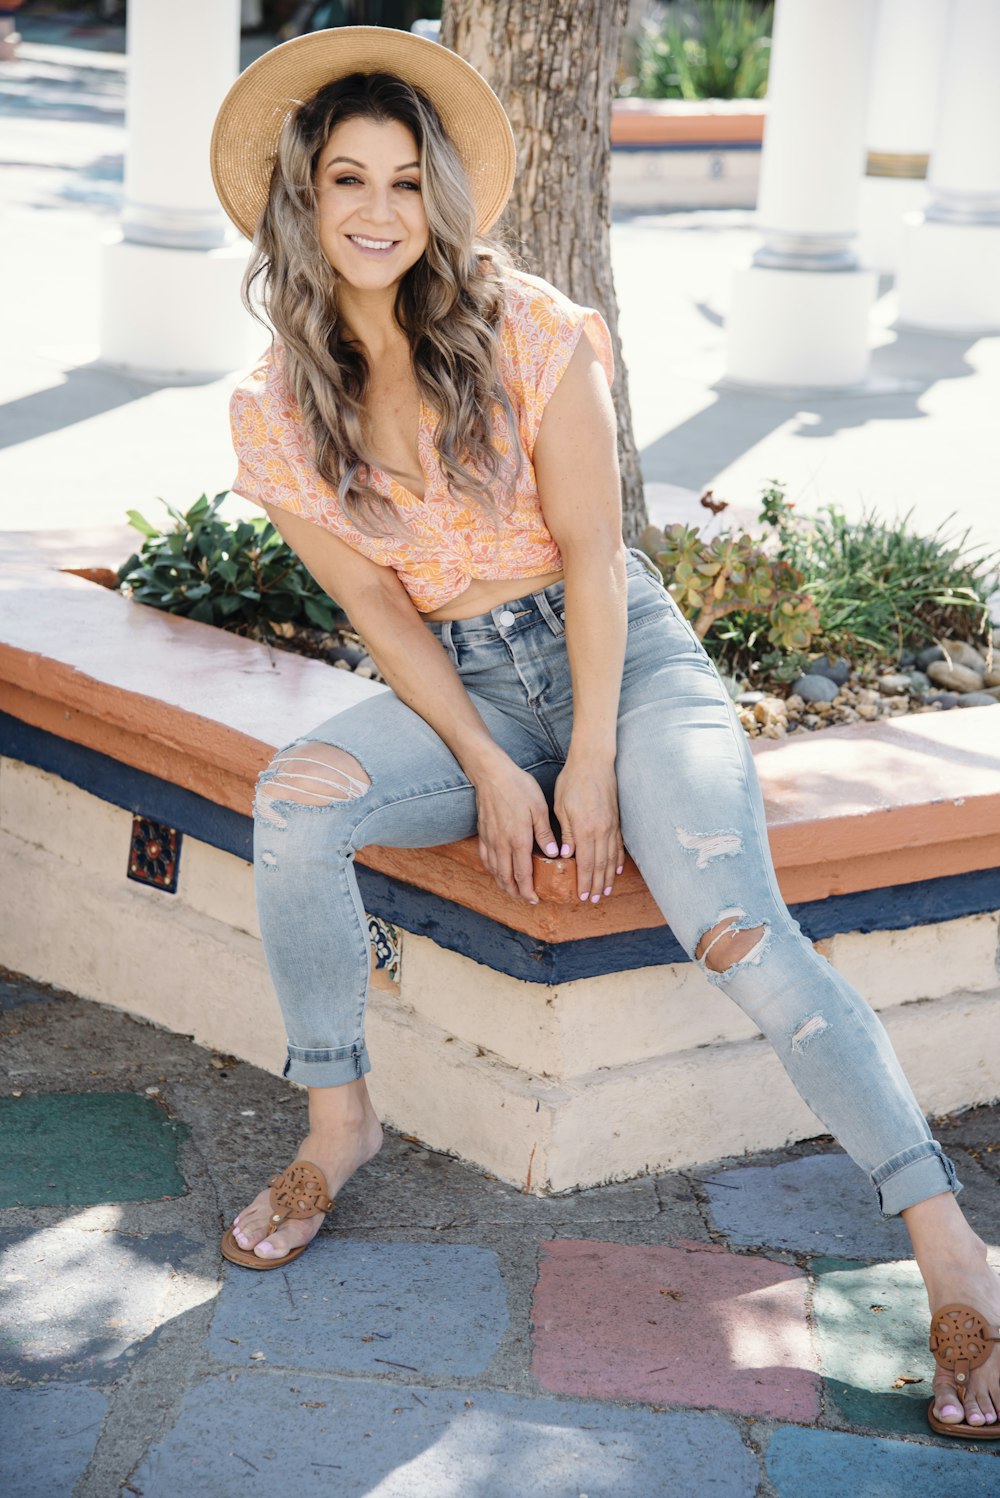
247,127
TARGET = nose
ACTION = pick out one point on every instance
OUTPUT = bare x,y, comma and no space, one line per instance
378,207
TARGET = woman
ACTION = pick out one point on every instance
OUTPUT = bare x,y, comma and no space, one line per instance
432,433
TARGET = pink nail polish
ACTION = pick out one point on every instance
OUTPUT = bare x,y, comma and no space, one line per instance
608,890
564,851
595,899
620,869
551,850
585,896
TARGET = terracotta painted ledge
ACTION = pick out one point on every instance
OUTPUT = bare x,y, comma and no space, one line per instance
659,123
853,808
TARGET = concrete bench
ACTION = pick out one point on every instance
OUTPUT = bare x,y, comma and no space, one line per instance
556,1046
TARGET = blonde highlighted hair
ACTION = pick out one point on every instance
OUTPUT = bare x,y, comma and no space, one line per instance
449,304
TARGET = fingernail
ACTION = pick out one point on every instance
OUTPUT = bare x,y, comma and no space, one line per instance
564,851
585,896
552,850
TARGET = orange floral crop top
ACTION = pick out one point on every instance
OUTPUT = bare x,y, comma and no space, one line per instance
451,540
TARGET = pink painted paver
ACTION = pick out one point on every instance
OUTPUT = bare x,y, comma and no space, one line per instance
691,1325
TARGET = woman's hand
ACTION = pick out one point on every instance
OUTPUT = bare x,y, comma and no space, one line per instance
586,805
513,815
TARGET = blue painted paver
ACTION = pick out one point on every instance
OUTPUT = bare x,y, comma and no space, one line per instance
79,1305
430,1308
822,1464
49,1435
819,1205
361,1438
871,1332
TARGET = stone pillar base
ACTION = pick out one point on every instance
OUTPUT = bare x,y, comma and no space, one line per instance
948,280
175,316
799,327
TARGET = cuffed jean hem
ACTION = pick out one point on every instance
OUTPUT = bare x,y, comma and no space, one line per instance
912,1176
327,1068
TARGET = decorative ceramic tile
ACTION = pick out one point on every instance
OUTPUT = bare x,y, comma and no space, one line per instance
386,947
154,854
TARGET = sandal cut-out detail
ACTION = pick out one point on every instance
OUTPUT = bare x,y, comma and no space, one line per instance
300,1191
960,1341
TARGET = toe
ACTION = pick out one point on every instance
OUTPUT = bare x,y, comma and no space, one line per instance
947,1404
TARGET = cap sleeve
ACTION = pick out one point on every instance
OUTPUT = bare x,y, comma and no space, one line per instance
541,331
273,466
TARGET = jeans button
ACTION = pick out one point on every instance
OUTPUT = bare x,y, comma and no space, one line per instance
505,618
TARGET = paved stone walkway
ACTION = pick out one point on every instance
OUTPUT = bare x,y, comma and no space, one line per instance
747,1330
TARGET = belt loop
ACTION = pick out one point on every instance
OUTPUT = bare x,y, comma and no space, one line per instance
447,641
647,563
549,614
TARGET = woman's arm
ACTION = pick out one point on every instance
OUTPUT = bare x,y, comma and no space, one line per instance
576,468
511,807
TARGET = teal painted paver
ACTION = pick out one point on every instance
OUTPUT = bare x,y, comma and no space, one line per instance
819,1205
360,1438
81,1305
77,1149
431,1308
825,1464
47,1437
691,1325
864,1351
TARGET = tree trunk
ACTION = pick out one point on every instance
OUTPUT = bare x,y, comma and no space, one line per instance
552,63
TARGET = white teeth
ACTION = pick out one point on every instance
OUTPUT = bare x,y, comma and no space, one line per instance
372,244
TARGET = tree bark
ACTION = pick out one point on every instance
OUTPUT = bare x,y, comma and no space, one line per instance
552,64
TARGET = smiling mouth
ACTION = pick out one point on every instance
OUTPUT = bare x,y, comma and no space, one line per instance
372,244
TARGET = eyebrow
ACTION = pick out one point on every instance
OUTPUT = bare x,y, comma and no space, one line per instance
351,160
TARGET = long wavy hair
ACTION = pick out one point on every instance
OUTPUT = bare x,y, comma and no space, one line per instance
449,304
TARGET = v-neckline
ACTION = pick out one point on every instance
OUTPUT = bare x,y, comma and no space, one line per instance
383,473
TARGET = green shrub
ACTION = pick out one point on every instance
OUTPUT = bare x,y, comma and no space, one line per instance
240,575
867,589
733,574
716,49
881,586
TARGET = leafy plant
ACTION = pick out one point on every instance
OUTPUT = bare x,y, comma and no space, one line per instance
240,575
866,589
716,49
881,586
732,574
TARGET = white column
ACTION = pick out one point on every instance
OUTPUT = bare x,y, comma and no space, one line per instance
949,267
902,108
170,292
800,307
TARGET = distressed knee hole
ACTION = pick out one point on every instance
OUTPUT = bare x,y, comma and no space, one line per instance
269,859
731,942
312,775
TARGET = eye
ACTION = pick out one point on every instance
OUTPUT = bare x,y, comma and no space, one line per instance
414,185
341,180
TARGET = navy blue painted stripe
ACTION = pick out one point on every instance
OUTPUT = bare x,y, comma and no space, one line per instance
896,907
135,790
631,147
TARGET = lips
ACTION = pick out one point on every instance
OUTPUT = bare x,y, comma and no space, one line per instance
372,246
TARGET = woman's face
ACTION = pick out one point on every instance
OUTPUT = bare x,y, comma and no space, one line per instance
372,225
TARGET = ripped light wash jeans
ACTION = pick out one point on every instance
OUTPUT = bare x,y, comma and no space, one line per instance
691,817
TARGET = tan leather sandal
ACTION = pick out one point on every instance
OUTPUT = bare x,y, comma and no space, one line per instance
960,1341
299,1191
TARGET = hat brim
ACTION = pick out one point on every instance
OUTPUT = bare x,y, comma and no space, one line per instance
253,113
